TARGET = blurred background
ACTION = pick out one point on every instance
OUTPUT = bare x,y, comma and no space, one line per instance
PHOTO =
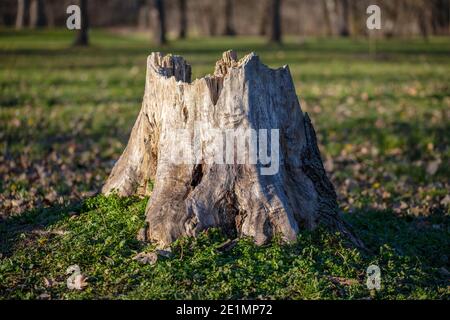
179,18
379,99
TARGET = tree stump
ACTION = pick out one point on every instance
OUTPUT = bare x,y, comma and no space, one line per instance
243,198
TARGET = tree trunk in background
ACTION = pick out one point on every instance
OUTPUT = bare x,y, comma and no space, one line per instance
327,18
237,196
345,18
183,19
229,29
160,25
211,20
424,19
50,13
440,12
143,14
82,38
23,11
265,18
37,14
275,30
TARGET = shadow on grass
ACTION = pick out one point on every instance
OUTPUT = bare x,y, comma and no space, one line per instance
425,237
12,229
407,135
409,251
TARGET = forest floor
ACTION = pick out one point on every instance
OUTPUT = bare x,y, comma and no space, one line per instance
381,111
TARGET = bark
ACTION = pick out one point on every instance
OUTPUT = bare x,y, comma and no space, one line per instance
183,19
229,28
23,7
37,14
275,30
236,197
82,38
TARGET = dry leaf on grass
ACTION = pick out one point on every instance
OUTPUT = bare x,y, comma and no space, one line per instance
48,282
164,253
343,281
446,201
146,257
433,166
77,280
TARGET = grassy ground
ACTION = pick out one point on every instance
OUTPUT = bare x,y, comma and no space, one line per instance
382,117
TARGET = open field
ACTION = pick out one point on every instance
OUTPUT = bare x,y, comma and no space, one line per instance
381,111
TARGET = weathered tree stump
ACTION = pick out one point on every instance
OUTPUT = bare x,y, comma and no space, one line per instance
243,198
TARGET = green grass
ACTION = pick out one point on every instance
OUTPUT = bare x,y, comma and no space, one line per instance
100,236
382,119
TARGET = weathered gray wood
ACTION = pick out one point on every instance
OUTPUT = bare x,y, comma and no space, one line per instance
188,198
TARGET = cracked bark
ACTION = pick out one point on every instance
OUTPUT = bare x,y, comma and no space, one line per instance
189,198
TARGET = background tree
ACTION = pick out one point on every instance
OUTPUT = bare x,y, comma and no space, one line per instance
403,18
159,26
23,10
275,30
440,16
344,9
264,18
424,17
37,14
82,38
229,28
183,19
50,12
142,14
327,17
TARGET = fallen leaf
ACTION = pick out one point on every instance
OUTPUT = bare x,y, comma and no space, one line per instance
79,283
44,296
343,281
146,257
433,166
227,245
48,282
446,201
164,253
416,211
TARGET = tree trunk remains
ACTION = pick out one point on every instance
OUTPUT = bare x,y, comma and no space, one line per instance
238,197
